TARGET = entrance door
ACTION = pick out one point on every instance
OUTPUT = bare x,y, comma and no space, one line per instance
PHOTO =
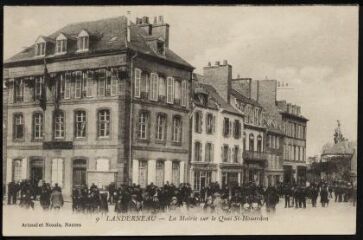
232,179
36,171
79,172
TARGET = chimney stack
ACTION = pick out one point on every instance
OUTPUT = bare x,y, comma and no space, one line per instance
217,63
145,20
225,62
161,19
161,29
209,64
155,20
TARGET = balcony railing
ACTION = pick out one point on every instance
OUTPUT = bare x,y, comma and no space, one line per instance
254,156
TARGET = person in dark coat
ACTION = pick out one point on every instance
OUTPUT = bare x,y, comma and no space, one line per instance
103,201
12,192
314,192
271,198
287,195
324,196
45,193
302,202
134,205
111,192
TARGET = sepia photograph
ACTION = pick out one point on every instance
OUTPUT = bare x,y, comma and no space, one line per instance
180,120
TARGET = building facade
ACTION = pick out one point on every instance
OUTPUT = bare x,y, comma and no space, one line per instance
75,94
216,140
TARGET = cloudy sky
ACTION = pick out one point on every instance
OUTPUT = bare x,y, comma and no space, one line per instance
313,49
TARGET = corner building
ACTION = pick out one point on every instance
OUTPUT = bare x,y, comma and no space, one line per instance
70,124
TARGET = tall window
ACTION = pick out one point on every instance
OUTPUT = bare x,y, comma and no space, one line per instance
197,152
143,125
40,49
226,127
57,171
37,126
184,94
277,142
143,173
101,82
209,152
170,90
137,82
61,46
90,75
236,154
104,123
175,174
225,153
16,170
38,81
177,90
237,129
177,129
18,90
78,84
59,124
244,141
67,92
160,127
18,126
198,121
80,124
162,89
154,87
256,116
251,142
159,173
259,143
210,123
145,86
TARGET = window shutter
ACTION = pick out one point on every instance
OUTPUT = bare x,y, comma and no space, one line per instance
230,128
113,83
137,82
200,152
206,123
138,126
229,155
214,124
201,122
206,153
222,153
212,152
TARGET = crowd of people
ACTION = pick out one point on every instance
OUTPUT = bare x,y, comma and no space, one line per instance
248,197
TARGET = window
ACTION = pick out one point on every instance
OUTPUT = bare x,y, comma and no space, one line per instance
101,82
244,141
57,171
83,41
202,179
108,83
298,154
67,93
37,126
143,173
175,174
104,123
225,153
18,90
88,85
159,173
252,142
18,126
177,129
209,152
162,89
304,132
38,83
61,46
236,154
160,47
40,49
237,129
78,84
161,127
277,142
143,125
59,124
137,82
154,87
145,86
226,127
177,91
170,90
210,123
197,152
198,121
259,143
256,116
103,165
80,124
114,81
184,94
294,157
16,170
60,86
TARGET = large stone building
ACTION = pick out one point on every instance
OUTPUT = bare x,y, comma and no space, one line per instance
74,96
216,137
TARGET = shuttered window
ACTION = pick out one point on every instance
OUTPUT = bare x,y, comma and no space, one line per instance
16,170
184,93
170,90
67,94
177,129
18,126
175,174
159,173
154,87
59,124
78,84
89,83
80,122
137,82
197,152
57,171
37,126
209,152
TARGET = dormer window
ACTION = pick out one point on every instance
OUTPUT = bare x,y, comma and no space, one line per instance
61,44
40,47
83,41
160,47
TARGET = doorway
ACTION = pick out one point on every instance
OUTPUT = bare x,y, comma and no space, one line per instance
79,172
36,171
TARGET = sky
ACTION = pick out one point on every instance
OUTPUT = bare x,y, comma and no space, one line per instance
312,48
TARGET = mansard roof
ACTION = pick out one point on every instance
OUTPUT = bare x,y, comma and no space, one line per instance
106,35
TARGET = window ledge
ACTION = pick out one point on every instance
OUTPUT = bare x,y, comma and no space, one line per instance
143,140
176,143
19,140
160,142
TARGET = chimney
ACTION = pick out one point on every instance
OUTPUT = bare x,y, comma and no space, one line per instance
225,62
267,92
144,24
220,78
161,29
209,64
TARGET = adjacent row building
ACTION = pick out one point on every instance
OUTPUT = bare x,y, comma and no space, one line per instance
109,101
